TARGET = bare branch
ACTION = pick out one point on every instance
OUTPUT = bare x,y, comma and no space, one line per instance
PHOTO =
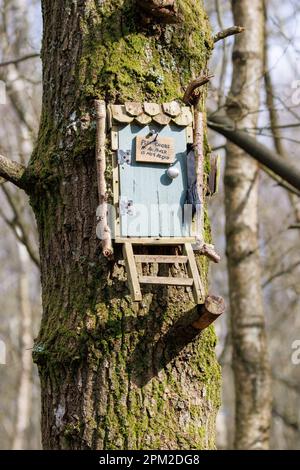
288,383
12,171
190,96
287,420
282,272
228,32
281,182
20,59
286,170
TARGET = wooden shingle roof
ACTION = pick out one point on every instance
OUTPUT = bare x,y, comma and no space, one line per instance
144,113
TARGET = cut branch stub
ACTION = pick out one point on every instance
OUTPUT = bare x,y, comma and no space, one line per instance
161,11
209,251
12,171
209,312
100,108
228,32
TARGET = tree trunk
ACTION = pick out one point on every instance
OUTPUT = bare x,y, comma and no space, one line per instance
274,119
114,374
250,359
24,398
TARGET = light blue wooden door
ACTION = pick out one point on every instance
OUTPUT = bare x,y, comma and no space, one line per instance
151,204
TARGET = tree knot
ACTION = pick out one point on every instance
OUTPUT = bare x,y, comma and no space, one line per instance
161,11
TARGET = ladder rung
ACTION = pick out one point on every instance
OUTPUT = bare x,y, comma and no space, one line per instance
160,259
169,281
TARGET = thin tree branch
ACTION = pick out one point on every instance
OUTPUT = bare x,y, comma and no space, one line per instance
277,126
190,96
228,32
284,169
20,59
281,182
289,422
12,171
274,117
280,273
225,56
19,226
288,383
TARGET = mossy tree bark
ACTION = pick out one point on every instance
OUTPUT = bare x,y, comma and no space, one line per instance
114,374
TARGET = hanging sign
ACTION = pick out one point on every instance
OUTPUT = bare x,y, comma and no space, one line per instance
155,149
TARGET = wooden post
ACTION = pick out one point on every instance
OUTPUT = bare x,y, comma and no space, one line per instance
100,108
209,312
192,97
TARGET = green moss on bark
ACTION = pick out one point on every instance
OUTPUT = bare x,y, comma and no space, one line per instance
142,64
131,375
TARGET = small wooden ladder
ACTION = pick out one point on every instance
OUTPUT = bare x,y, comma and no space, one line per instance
188,258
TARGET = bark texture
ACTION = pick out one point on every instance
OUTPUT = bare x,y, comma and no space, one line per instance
250,360
114,374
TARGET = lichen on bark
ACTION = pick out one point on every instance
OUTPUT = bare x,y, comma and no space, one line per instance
115,374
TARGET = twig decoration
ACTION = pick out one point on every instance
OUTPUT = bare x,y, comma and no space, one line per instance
228,32
100,109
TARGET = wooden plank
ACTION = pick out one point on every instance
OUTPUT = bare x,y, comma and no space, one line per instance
168,281
189,135
198,288
160,259
132,274
114,138
116,191
115,182
116,199
155,149
158,205
156,241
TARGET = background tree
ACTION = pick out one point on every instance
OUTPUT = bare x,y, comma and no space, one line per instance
250,355
20,73
278,243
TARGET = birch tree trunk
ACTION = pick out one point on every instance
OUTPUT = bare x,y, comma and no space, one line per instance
24,397
114,374
250,358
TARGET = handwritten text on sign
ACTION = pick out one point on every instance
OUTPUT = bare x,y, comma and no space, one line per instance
155,149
